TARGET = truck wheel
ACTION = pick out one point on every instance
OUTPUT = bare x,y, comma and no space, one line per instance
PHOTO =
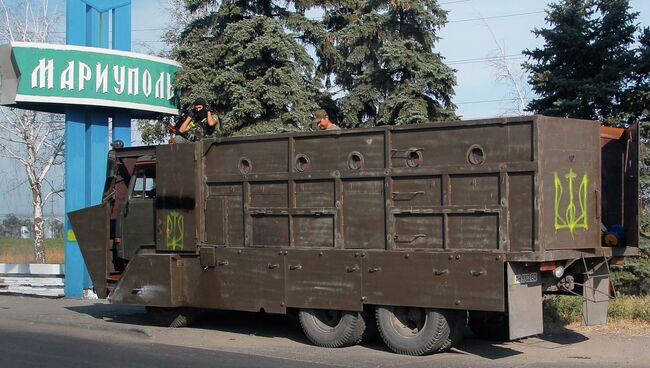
413,331
171,317
332,328
489,325
457,328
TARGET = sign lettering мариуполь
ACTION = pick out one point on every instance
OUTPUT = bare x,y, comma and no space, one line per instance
64,74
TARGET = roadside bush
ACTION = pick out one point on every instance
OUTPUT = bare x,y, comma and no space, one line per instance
568,309
633,278
562,309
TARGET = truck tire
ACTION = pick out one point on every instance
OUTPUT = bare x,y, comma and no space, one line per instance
457,329
491,326
413,331
332,328
171,317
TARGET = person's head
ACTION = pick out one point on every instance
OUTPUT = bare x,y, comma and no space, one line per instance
321,119
199,104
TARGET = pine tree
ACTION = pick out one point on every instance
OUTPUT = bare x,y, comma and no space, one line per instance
586,59
637,96
385,61
246,60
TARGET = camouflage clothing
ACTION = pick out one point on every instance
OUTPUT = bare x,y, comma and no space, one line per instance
198,127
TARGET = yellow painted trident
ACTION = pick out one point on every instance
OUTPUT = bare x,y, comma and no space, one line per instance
572,220
175,230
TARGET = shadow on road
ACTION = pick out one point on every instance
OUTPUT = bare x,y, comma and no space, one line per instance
287,326
127,314
494,350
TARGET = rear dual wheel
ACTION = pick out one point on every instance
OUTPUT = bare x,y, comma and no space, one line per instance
405,330
419,331
332,328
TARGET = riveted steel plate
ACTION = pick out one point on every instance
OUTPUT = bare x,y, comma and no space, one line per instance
436,280
328,279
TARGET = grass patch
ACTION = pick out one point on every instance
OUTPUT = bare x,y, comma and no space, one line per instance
565,310
16,250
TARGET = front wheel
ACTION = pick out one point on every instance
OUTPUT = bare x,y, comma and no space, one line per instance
171,317
412,330
332,328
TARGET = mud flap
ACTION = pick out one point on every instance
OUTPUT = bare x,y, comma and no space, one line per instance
596,296
524,300
91,229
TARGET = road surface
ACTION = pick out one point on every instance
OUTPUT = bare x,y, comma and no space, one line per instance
37,332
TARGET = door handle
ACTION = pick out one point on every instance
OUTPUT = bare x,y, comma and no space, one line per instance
352,268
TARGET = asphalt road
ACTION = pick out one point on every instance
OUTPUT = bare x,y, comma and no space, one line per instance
39,349
90,333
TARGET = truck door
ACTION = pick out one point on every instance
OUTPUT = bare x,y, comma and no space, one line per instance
137,217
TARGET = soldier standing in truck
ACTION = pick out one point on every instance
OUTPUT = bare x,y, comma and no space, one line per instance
322,120
199,123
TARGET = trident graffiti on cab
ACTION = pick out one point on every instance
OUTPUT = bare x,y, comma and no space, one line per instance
175,230
574,217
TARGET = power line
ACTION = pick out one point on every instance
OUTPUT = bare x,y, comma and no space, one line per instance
487,101
486,59
451,21
454,2
496,17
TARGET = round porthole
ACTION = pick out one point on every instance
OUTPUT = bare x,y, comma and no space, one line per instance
414,157
302,163
355,160
245,166
476,155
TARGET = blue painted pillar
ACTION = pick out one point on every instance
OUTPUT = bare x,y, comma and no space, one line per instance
96,120
86,135
122,41
76,274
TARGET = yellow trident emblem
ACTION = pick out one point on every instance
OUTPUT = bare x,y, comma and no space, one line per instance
175,230
572,219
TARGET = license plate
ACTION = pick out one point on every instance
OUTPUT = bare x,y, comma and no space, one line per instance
525,278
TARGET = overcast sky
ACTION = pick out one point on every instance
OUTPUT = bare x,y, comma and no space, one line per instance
477,29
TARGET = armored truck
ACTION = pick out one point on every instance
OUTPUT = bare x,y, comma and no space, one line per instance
409,231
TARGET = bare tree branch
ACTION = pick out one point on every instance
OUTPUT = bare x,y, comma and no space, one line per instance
505,74
10,35
47,197
35,140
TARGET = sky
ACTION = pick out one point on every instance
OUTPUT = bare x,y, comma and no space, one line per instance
476,33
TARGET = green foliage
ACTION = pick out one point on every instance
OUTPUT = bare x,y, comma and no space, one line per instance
587,62
154,131
637,96
568,309
246,61
11,224
634,276
249,60
385,62
562,309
